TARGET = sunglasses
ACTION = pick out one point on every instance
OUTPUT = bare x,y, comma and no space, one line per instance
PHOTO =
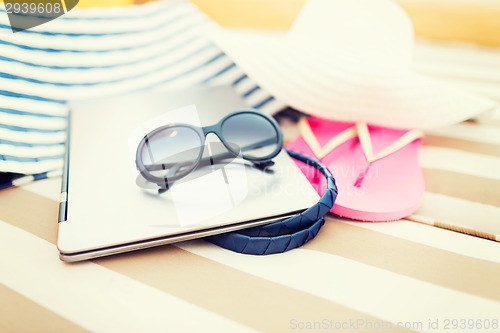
171,152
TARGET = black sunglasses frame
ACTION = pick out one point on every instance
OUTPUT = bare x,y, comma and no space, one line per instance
164,182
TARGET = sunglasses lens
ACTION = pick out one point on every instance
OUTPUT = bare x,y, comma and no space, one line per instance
254,134
171,152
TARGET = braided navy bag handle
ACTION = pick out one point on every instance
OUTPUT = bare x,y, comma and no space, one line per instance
287,234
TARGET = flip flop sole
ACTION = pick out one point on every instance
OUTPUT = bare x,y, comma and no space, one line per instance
387,189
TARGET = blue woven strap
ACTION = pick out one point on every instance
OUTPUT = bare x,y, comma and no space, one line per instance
287,234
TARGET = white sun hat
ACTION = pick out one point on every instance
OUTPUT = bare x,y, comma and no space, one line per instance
349,60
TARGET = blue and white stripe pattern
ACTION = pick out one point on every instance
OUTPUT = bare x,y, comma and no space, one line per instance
9,179
98,52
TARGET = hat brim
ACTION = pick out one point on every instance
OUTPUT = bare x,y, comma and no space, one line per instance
335,85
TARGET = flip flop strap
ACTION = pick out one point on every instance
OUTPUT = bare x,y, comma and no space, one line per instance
312,142
361,130
287,234
367,147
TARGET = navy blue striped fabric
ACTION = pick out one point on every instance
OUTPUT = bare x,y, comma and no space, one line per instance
95,53
8,179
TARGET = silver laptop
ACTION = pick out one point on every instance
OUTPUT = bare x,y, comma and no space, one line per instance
105,210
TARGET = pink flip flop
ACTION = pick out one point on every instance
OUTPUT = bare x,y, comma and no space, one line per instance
376,168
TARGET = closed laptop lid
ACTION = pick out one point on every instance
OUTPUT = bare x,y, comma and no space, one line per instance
106,207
